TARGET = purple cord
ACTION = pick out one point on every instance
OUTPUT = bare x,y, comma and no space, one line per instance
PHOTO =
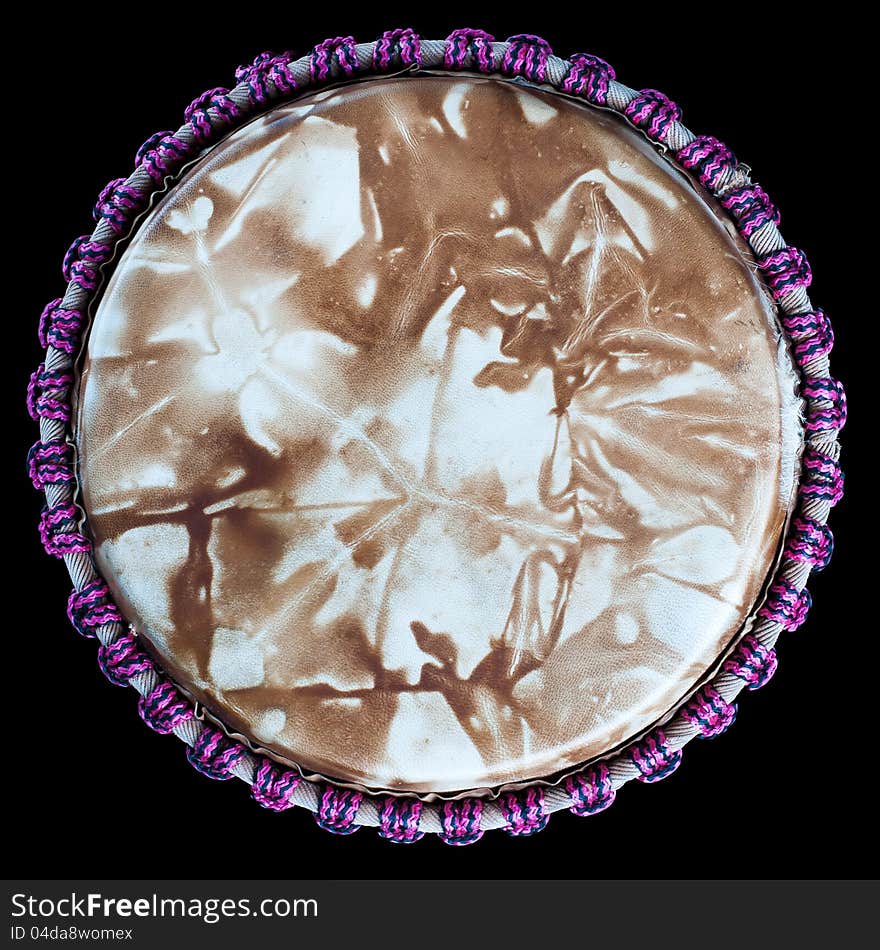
164,708
333,56
523,811
214,754
822,477
399,820
526,56
752,662
709,712
460,821
469,49
123,659
92,607
274,786
337,811
709,159
652,112
654,759
750,208
59,530
591,790
589,77
785,271
48,394
396,49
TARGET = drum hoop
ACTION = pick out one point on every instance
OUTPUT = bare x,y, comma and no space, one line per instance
783,270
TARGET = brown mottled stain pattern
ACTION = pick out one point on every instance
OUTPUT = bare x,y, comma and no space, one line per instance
430,431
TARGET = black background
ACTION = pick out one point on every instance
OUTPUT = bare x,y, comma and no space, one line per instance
784,794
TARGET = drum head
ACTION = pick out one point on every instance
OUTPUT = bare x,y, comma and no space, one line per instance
436,434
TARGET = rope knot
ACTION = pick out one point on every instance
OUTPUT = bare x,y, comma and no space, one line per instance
117,204
60,327
92,607
469,49
588,76
198,112
709,712
399,820
826,404
163,154
123,659
809,542
59,530
397,48
526,55
785,271
591,790
751,208
338,810
822,479
163,708
48,394
652,112
268,72
811,335
654,759
334,57
786,605
752,662
82,262
524,812
274,786
214,754
50,463
460,821
709,159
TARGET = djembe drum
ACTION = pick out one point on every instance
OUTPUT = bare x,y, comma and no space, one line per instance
442,452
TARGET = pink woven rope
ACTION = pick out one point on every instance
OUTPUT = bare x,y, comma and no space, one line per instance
163,709
123,659
591,790
60,327
709,159
822,478
750,208
214,754
212,109
268,76
460,821
59,530
48,394
654,112
399,820
163,154
526,56
470,49
397,48
333,54
118,204
654,758
709,712
524,811
337,811
811,335
91,608
588,76
274,786
752,662
785,271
